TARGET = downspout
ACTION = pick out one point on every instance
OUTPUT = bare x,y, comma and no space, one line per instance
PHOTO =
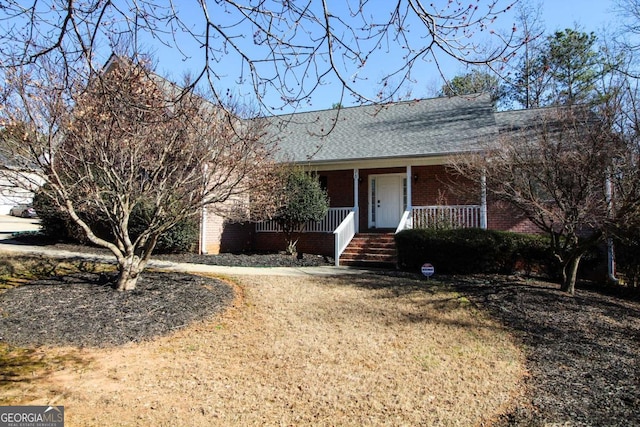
203,231
203,221
611,257
483,201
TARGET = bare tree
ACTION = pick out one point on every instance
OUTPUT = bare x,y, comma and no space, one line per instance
290,48
531,77
556,170
120,141
629,13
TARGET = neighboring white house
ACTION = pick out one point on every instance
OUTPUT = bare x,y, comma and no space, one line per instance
16,188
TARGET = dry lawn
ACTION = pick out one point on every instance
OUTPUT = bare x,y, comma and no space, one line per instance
356,350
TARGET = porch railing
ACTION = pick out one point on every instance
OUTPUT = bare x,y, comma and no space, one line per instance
343,235
460,216
328,224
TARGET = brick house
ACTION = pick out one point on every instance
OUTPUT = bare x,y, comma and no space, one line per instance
384,168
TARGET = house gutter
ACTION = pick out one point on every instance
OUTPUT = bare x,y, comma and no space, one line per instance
483,202
203,222
203,233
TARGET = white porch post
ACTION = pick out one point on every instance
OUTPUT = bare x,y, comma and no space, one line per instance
409,188
483,202
356,197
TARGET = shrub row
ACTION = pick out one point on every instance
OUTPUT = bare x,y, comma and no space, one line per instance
58,225
473,250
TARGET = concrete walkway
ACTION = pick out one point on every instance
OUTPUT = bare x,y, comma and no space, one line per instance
12,247
9,225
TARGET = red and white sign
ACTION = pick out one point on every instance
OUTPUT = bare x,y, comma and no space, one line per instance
427,269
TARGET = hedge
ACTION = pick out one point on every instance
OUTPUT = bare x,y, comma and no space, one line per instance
473,250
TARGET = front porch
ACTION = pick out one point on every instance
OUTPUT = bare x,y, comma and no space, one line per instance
334,234
383,200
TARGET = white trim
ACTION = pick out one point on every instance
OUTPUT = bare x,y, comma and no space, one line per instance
203,232
400,162
409,188
456,216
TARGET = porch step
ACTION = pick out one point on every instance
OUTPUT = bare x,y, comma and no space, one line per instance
370,250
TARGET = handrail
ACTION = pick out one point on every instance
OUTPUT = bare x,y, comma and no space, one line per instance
343,235
405,222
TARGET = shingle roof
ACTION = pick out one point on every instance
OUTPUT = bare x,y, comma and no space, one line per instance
421,128
519,119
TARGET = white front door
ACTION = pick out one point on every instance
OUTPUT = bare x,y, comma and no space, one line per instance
387,201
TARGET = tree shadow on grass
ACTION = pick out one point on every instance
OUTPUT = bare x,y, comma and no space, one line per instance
427,300
26,365
582,351
20,269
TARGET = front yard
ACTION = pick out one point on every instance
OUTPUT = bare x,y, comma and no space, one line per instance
374,349
366,350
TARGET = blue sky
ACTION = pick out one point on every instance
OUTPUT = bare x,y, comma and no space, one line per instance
587,15
590,14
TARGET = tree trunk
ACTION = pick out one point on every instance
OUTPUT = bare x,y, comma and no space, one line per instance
570,273
129,269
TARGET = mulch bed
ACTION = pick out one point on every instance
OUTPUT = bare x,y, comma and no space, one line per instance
83,309
250,260
583,352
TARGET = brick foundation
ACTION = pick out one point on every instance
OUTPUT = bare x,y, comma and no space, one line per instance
310,243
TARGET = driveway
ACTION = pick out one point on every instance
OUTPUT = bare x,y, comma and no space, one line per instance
11,224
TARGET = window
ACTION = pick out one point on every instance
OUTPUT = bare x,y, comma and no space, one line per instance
404,194
373,200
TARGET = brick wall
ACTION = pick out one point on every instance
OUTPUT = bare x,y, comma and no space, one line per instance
310,243
224,236
502,216
339,187
437,185
213,227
